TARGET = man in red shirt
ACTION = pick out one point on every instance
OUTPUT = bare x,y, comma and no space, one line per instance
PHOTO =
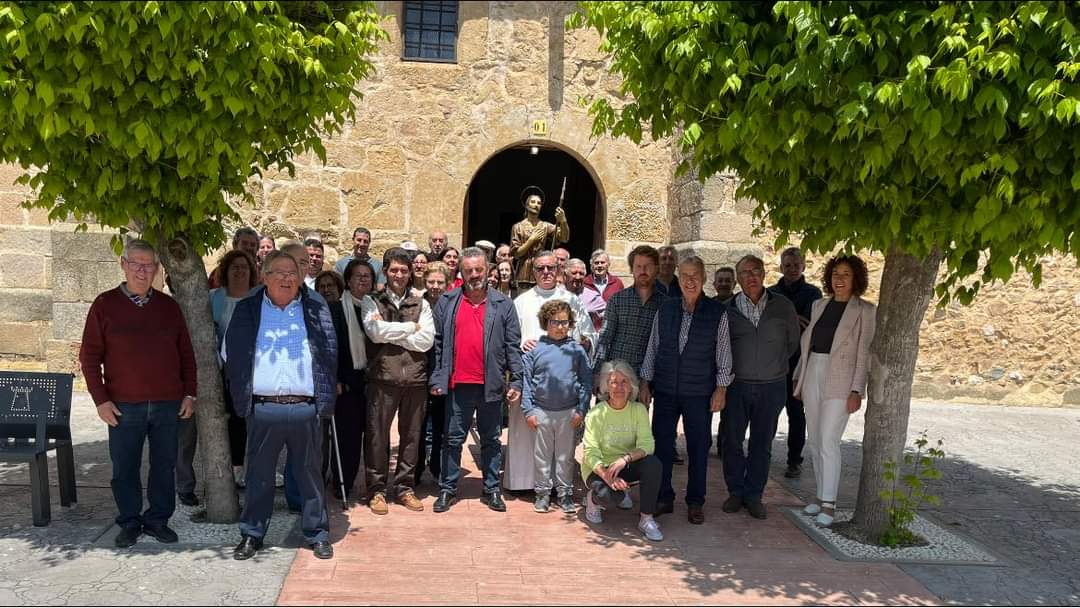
139,366
474,377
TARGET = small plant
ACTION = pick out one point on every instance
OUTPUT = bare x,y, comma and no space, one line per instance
907,490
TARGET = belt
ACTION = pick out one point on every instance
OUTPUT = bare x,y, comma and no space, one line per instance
282,399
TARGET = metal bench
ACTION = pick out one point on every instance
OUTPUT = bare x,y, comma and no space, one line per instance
35,417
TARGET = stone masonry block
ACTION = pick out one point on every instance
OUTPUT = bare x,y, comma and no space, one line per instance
68,320
25,240
23,271
25,305
88,246
26,339
82,280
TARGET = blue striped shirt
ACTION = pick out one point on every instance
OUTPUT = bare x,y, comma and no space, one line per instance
283,362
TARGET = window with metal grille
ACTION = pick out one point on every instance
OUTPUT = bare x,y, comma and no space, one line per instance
430,30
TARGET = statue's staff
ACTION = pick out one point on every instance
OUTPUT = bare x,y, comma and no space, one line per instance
562,197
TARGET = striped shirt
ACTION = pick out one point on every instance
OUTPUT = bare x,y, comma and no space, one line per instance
750,310
139,301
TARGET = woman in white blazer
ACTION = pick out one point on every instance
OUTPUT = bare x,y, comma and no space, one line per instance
831,375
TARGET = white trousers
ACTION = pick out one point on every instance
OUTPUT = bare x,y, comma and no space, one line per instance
826,420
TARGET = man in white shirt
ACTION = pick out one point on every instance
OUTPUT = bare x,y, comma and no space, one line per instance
315,253
402,328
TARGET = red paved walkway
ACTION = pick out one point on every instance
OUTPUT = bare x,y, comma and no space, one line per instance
472,555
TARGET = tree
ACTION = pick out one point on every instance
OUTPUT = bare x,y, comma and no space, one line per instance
930,131
146,116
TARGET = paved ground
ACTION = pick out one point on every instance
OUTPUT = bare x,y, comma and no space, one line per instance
1012,482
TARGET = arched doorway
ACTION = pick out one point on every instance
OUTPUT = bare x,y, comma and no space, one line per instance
493,200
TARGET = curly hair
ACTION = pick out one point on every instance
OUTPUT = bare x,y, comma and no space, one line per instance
860,277
335,277
552,308
228,259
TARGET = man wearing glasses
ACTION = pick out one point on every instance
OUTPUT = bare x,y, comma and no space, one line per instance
280,355
139,367
519,472
764,334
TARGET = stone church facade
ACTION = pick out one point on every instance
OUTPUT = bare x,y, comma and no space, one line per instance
449,143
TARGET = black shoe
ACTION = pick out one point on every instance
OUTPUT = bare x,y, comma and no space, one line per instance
248,547
695,514
163,533
127,537
732,504
757,509
793,471
295,510
322,549
494,501
663,507
188,499
444,501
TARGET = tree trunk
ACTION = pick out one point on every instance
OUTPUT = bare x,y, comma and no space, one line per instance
907,285
187,274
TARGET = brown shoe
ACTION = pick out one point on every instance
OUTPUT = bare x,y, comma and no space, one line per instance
378,504
695,514
409,500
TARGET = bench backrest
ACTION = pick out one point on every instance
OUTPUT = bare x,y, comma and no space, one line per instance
27,397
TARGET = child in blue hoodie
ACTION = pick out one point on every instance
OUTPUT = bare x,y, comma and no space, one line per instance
557,387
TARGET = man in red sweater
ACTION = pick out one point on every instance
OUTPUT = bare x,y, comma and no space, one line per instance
139,366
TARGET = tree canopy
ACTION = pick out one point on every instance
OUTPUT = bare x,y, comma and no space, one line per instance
153,113
918,126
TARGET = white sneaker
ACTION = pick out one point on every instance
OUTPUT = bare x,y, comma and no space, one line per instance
651,530
592,510
812,509
279,480
626,502
823,520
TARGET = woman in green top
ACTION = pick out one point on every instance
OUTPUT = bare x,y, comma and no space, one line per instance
619,449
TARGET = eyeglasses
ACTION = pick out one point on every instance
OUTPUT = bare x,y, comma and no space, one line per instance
558,322
753,272
281,275
545,268
137,267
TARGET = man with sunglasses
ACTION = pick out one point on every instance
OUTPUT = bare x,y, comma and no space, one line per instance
519,472
139,366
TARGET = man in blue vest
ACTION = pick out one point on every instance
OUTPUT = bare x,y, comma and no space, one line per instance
687,368
280,357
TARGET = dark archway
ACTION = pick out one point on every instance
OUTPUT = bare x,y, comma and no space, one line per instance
493,203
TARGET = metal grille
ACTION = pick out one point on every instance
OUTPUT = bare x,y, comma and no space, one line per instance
430,29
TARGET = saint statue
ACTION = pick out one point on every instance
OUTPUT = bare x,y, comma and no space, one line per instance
532,235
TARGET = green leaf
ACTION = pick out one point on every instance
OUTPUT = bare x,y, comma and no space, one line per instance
44,92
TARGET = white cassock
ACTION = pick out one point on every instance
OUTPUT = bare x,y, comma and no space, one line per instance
518,466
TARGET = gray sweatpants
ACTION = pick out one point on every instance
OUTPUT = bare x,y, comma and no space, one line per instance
554,445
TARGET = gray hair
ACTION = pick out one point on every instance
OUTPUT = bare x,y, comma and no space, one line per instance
576,262
750,258
693,260
242,232
545,253
622,367
277,254
596,254
139,245
474,252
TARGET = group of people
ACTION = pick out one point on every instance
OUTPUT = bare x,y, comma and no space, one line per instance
443,337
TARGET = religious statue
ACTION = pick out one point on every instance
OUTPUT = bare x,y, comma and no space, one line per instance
532,235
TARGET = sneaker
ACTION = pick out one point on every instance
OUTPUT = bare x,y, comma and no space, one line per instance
626,503
279,480
824,520
542,503
567,504
409,500
651,530
812,509
378,504
592,510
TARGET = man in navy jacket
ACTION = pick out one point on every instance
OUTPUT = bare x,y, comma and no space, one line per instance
280,356
477,341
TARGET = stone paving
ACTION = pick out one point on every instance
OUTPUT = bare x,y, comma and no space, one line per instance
1012,482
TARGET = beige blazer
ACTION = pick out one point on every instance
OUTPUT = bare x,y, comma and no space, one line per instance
849,356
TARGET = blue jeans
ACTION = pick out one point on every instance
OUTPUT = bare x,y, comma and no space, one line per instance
296,427
158,421
464,401
757,406
697,426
